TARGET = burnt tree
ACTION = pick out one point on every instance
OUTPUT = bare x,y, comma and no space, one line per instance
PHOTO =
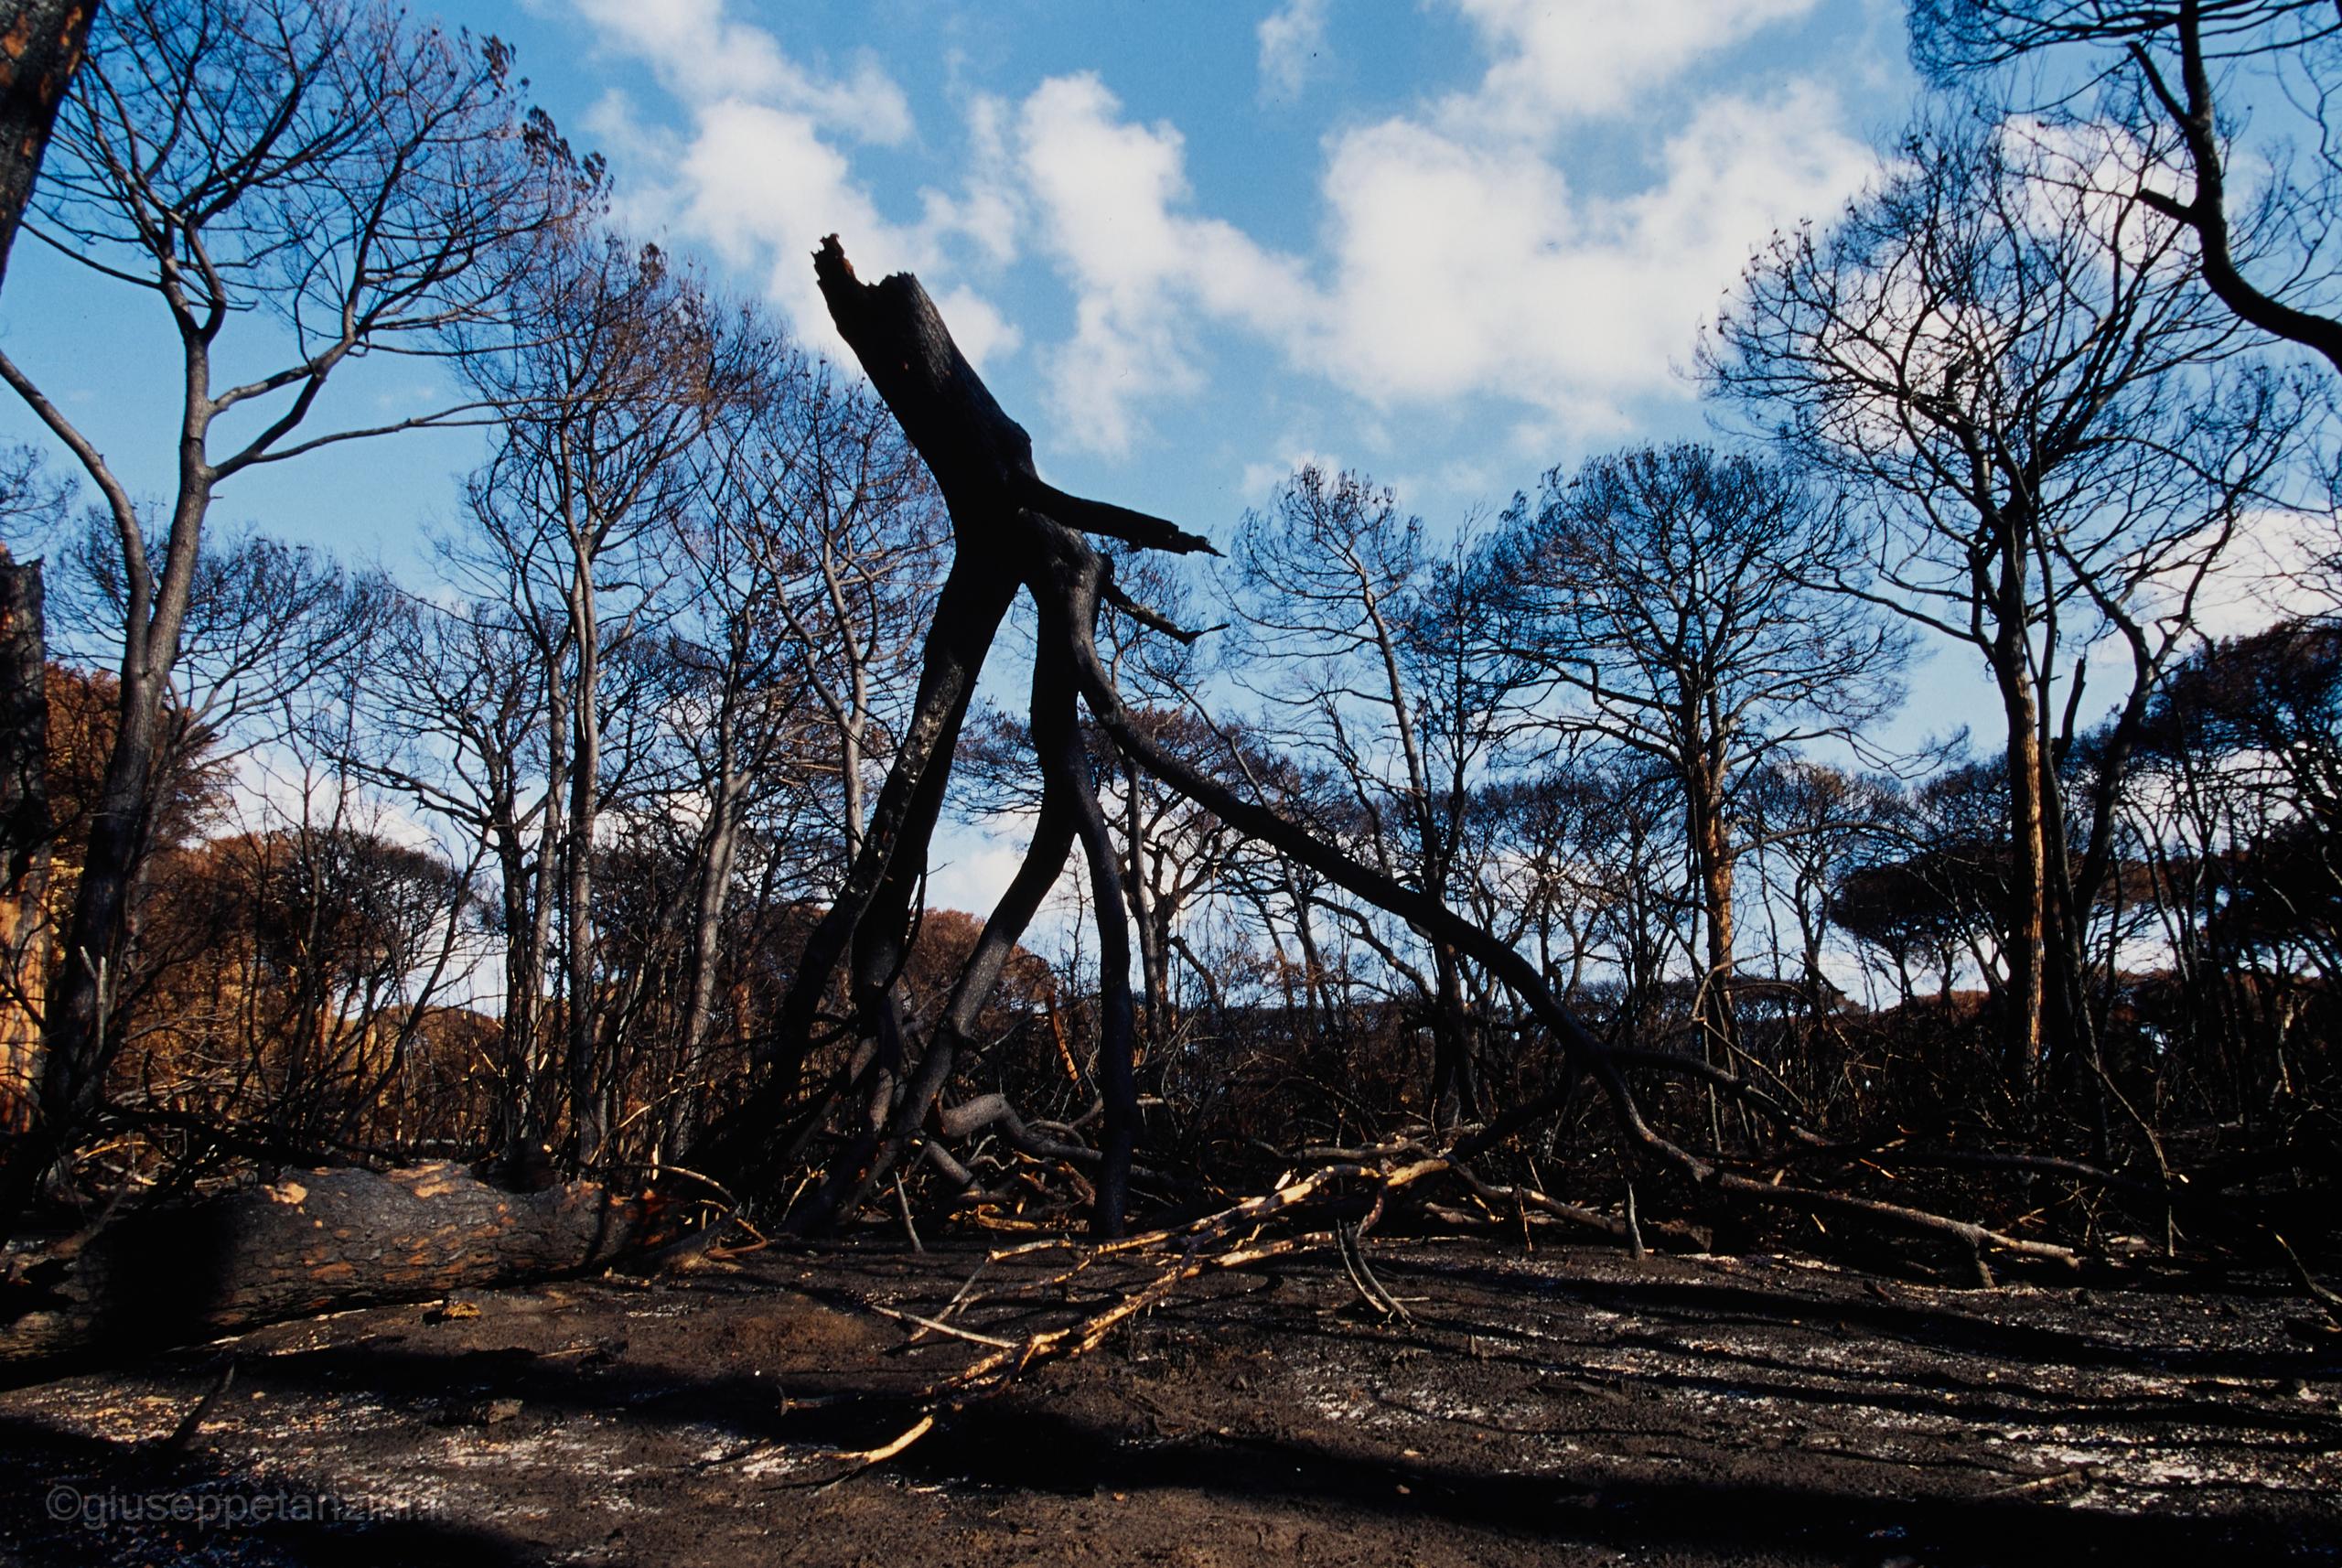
1016,533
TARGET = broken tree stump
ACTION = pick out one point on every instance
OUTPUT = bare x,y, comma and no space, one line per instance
311,1241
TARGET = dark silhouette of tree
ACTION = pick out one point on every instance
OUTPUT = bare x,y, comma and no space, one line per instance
2014,371
1376,648
2171,70
2235,805
1686,605
1934,895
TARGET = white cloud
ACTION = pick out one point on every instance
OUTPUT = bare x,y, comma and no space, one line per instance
700,54
970,869
1292,36
990,209
1455,267
1108,195
1459,260
1555,60
2270,572
1464,261
761,184
980,330
1261,479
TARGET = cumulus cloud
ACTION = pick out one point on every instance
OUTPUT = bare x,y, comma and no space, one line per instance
1110,198
1454,265
1555,60
1293,37
1457,258
759,172
1465,267
763,187
700,53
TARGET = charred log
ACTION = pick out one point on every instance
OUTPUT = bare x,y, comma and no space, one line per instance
309,1242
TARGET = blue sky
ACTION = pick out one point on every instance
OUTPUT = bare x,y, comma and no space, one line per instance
1451,243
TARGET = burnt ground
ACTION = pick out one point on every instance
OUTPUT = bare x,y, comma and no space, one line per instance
1561,1407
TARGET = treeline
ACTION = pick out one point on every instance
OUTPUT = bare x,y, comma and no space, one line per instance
514,864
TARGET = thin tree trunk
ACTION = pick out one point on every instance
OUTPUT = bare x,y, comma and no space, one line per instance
2027,919
1153,955
1712,859
1455,1094
586,1077
25,834
713,895
543,1087
80,1037
517,1131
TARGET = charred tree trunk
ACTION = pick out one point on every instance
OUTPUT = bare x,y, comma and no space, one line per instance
312,1241
852,1179
711,895
2029,781
1712,862
23,834
41,49
516,1130
583,1021
982,463
1454,1087
1067,616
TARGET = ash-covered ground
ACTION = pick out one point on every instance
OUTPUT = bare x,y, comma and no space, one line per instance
1552,1408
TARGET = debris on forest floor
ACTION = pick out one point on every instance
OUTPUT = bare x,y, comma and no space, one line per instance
1568,1406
